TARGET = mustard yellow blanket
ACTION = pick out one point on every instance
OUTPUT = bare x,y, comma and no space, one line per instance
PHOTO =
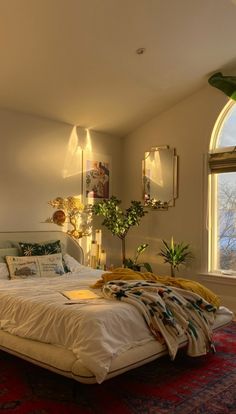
129,274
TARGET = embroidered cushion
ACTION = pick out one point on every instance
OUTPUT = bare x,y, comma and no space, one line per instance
21,267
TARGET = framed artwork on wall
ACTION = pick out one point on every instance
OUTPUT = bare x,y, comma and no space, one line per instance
96,177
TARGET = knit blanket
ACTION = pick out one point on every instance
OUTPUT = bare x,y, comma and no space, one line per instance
169,313
129,274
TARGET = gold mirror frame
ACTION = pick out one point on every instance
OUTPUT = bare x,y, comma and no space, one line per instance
159,177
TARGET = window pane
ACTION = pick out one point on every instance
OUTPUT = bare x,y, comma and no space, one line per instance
227,135
226,237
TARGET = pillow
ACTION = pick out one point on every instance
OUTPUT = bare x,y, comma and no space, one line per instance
4,274
5,244
71,263
9,251
40,249
22,267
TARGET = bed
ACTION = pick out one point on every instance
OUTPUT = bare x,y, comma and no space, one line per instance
39,324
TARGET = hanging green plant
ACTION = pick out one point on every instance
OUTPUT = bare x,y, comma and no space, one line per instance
226,84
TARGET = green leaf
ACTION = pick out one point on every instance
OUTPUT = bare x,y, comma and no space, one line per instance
226,84
142,247
148,267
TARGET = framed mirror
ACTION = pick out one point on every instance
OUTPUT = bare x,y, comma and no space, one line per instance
160,177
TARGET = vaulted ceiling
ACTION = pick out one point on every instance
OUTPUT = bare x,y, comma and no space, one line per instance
76,61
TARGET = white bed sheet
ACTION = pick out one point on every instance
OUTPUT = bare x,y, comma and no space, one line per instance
96,331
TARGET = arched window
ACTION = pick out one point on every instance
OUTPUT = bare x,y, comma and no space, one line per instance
222,193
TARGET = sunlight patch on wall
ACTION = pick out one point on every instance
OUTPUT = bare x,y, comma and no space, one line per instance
88,145
73,158
80,140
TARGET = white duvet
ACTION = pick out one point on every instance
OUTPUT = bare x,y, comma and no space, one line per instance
95,331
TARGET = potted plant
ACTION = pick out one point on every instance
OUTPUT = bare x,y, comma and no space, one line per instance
117,221
175,254
134,264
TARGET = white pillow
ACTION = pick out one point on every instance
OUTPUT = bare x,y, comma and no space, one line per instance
8,251
21,267
72,264
4,273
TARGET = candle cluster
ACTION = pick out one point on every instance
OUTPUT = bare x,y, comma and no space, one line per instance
97,254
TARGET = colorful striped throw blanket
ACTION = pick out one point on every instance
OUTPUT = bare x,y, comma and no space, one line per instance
169,313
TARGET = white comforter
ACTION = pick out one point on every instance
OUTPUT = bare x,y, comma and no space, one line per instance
95,331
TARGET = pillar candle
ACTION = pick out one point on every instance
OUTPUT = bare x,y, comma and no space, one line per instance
98,237
93,251
93,254
103,259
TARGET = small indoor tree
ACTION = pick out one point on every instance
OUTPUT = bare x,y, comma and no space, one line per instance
117,221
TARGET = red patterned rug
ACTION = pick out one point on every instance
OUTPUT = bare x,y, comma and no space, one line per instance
205,385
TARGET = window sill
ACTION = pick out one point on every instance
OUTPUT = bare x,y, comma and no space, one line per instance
218,278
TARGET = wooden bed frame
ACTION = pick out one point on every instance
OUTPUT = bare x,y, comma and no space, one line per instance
63,361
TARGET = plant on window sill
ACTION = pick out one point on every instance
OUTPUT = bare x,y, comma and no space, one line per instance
175,254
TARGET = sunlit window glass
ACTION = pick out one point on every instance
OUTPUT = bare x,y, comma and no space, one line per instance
226,221
227,133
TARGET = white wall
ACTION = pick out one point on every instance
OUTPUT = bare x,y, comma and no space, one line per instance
34,154
187,127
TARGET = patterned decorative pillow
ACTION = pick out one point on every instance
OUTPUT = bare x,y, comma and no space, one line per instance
40,249
21,267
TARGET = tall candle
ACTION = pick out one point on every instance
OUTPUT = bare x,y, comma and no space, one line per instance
93,254
103,259
93,251
98,237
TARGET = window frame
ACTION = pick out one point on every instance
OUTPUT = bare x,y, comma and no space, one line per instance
213,190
